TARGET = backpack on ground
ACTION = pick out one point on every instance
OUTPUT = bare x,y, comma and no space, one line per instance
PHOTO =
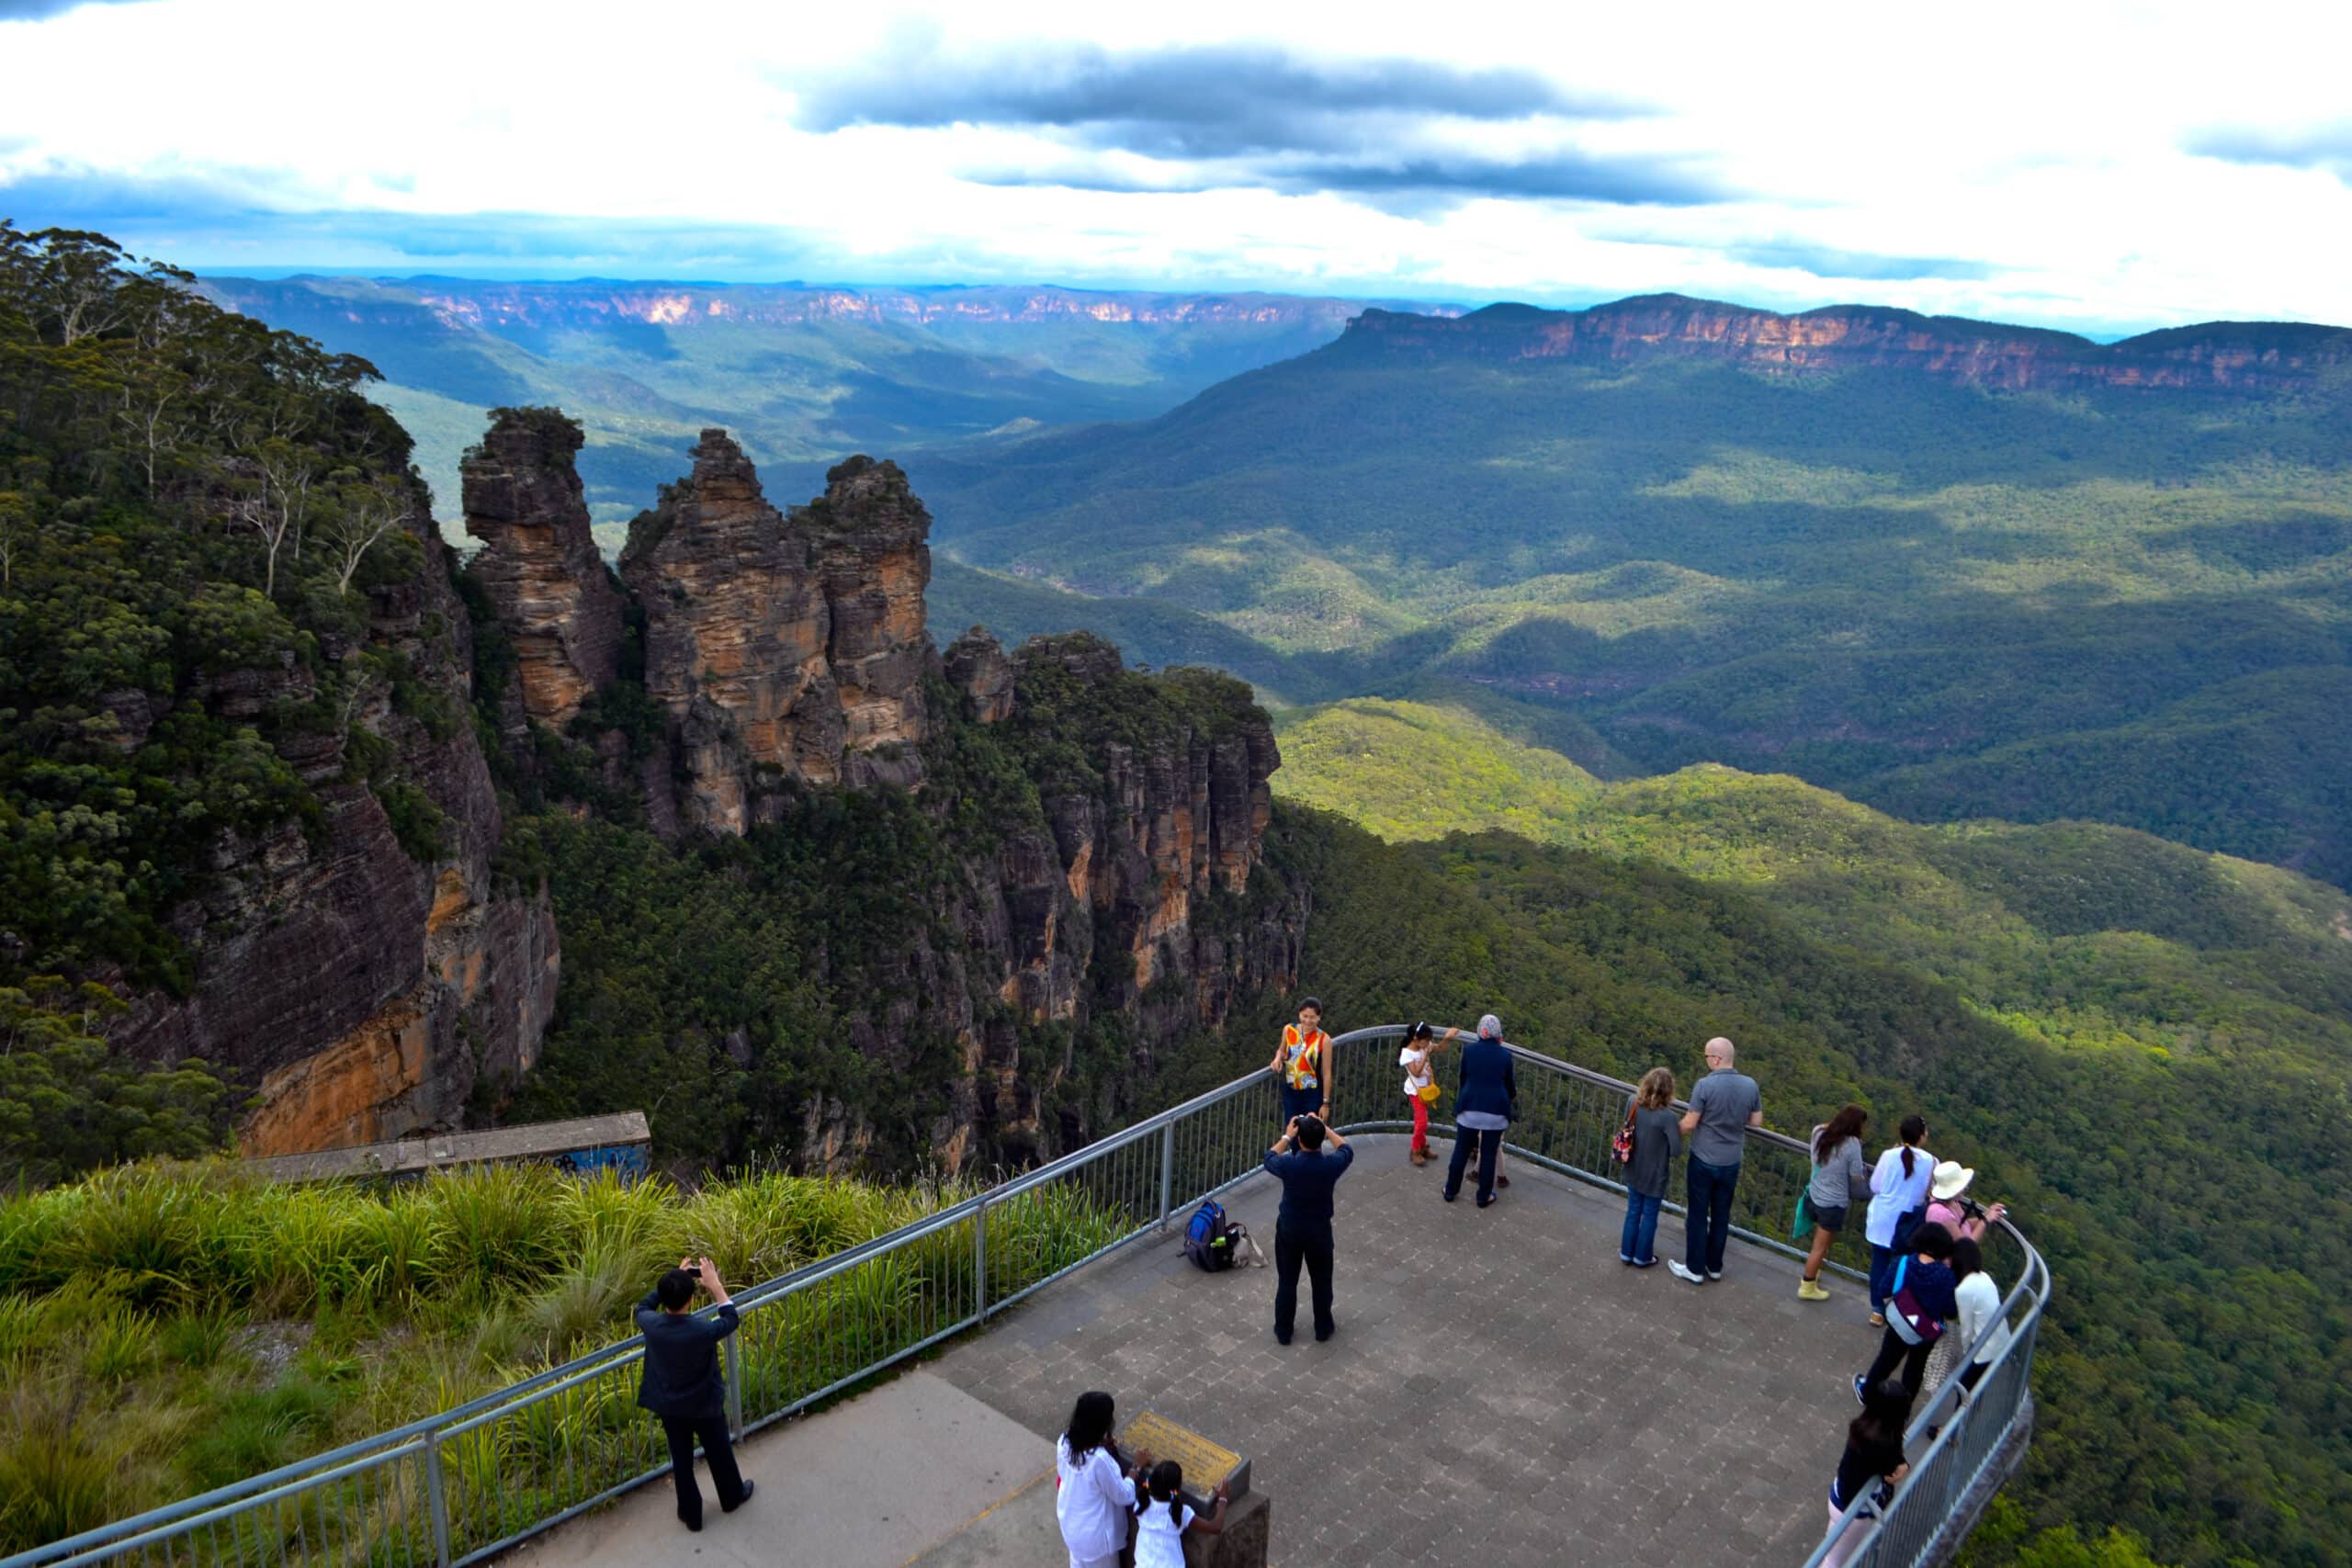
1214,1242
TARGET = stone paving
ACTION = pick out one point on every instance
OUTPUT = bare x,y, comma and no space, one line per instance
1501,1390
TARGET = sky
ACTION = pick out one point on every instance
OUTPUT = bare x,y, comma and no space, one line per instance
2083,164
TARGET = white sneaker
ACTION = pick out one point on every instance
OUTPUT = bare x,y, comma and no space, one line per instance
1714,1273
1676,1267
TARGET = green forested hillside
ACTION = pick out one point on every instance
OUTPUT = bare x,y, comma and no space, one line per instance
2189,1202
2129,605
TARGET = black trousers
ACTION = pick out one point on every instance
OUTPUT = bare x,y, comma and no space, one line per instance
1892,1351
1312,1248
682,1431
1489,1140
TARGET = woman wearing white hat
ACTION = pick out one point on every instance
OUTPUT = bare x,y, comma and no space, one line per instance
1960,1215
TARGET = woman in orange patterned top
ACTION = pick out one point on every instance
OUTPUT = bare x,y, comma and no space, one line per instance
1302,1065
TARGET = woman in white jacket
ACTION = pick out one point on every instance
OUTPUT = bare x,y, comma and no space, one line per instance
1094,1499
1979,1295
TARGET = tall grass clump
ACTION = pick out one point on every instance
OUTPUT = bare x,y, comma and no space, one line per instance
168,1328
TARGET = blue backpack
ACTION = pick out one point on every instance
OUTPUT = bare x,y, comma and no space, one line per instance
1211,1239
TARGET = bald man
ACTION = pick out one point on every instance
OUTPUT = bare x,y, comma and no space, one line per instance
1724,1105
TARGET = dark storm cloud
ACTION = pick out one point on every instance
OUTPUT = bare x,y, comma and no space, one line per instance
1227,116
2328,149
1824,262
1208,101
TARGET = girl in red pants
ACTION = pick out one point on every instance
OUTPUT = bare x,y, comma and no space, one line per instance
1420,1047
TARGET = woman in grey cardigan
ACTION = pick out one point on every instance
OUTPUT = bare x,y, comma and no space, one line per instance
1657,1138
1838,1168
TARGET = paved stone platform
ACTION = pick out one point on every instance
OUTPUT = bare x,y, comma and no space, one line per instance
1501,1390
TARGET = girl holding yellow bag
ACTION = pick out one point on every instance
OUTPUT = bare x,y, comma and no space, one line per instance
1420,1084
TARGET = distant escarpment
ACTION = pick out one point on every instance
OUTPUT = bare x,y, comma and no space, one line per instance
2238,357
991,890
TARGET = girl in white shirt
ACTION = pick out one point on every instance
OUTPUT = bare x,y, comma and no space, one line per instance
1095,1491
1420,1047
1161,1519
1898,1201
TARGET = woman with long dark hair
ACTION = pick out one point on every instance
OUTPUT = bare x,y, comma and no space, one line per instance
1898,1205
1095,1500
1838,1168
1873,1463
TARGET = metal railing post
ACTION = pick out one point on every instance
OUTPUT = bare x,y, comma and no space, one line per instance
980,1257
735,1384
1167,1171
436,1499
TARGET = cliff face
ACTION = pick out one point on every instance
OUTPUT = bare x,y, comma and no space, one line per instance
785,649
539,563
359,988
2229,356
1136,894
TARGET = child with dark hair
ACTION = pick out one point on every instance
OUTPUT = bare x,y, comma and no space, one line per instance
1925,1281
1095,1489
1873,1463
1421,1042
1162,1518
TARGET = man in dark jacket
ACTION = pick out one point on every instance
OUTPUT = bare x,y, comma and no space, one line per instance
681,1382
1486,1105
1308,1160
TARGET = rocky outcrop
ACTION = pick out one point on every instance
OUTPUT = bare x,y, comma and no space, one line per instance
873,550
977,666
2223,357
538,564
361,990
1134,896
786,648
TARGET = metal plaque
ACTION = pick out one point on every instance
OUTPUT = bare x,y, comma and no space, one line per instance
1205,1464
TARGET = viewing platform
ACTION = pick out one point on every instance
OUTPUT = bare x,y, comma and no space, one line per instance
1500,1388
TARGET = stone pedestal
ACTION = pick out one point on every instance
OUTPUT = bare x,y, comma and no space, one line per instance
1241,1544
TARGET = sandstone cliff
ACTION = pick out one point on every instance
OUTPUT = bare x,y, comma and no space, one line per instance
786,649
2223,356
1063,883
361,989
1126,911
539,565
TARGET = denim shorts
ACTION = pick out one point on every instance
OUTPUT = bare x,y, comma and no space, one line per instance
1830,1219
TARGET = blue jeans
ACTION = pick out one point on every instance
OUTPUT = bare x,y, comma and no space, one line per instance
1301,1101
1640,1242
1884,1259
1707,1223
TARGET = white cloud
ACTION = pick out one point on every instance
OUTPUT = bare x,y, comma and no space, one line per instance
2084,163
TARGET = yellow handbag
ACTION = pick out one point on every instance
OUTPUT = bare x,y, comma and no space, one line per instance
1429,1091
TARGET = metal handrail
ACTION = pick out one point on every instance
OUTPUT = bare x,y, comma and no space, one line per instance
393,1497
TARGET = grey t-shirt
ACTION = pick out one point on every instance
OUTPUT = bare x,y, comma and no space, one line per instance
1833,1184
1725,1099
1657,1138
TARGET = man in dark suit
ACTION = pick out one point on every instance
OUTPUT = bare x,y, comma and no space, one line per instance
1486,1105
1308,1160
683,1384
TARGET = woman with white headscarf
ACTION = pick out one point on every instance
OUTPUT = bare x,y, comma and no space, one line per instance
1487,1101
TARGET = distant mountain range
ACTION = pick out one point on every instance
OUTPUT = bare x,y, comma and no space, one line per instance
1950,569
804,374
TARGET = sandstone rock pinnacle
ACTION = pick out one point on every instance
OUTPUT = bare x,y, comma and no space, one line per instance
539,563
787,647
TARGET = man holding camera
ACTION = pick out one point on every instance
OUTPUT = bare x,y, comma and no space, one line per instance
683,1384
1308,1160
